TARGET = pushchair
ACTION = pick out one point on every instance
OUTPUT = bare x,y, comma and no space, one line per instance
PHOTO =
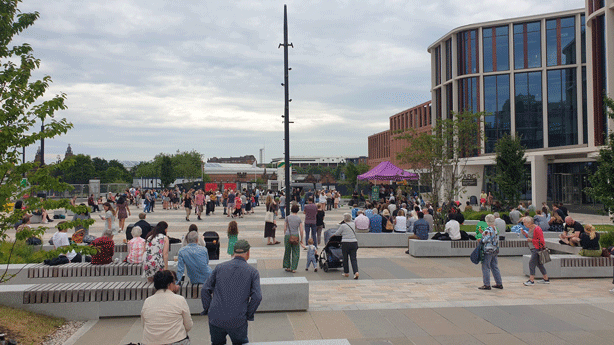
331,256
212,242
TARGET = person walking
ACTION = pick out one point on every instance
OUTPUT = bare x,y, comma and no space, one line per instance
349,245
535,237
282,205
490,240
187,205
269,222
293,239
123,211
231,297
109,217
311,211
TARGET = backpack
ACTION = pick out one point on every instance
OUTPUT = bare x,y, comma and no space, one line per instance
389,225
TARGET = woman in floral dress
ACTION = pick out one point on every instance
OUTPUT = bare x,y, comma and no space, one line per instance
156,251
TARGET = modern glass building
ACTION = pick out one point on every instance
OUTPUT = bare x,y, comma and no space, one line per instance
541,78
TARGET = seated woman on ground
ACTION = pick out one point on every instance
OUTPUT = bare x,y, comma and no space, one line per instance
589,240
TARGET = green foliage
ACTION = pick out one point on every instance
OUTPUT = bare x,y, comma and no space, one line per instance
186,165
606,239
476,215
440,155
82,168
22,110
167,173
602,186
509,169
352,171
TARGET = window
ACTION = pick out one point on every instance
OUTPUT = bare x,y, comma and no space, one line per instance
437,65
468,52
529,109
449,101
438,107
497,106
584,108
496,49
560,41
448,59
562,108
527,45
468,95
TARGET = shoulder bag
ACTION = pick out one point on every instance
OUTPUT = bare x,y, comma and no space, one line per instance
269,217
544,255
294,239
389,225
477,254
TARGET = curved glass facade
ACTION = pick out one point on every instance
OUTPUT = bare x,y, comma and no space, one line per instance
496,49
527,45
562,107
529,109
497,104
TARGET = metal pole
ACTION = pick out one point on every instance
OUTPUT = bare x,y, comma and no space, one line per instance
286,111
42,144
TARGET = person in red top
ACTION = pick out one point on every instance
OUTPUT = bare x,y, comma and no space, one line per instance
535,237
106,248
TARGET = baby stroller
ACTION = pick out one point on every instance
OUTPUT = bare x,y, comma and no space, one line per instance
212,241
331,256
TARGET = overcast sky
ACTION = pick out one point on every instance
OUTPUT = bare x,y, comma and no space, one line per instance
144,77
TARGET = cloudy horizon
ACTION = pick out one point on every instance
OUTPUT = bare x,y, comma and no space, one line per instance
144,77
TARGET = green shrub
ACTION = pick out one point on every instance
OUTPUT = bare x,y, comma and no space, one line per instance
606,239
22,254
477,215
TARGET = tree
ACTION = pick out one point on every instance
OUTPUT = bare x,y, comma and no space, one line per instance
352,171
167,174
442,155
602,186
21,109
509,169
187,164
76,169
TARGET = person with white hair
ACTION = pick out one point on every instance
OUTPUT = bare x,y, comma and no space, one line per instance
490,240
136,247
194,259
349,244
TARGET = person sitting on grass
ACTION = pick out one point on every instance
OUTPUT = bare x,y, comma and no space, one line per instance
589,240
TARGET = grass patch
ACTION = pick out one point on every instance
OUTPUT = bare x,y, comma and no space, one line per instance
27,327
604,227
22,253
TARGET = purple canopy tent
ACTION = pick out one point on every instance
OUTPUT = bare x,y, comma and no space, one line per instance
387,171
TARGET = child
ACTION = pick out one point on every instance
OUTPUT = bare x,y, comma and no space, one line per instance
311,255
233,233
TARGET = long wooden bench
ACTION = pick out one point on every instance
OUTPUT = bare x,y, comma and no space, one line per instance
574,266
436,248
86,301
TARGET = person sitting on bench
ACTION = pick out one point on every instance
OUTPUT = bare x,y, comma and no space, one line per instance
589,240
572,232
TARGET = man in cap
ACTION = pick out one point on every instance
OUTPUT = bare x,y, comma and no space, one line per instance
231,296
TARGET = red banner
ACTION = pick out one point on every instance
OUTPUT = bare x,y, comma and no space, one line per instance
228,186
210,187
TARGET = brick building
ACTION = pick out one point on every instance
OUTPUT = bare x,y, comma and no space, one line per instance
386,145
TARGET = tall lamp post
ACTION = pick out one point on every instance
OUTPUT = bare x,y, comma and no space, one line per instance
286,109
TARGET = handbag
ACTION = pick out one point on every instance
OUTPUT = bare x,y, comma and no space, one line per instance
269,217
293,240
544,256
477,255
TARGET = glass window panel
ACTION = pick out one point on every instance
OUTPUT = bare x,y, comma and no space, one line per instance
503,57
584,107
534,49
488,52
551,24
518,48
562,108
583,38
497,105
568,45
568,22
534,27
529,114
449,59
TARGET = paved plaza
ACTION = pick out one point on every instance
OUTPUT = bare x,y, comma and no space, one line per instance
398,299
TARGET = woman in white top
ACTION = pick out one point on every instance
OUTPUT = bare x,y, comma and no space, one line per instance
109,217
349,244
400,222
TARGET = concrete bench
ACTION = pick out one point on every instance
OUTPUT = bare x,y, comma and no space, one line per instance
573,266
554,245
436,248
86,272
381,240
87,301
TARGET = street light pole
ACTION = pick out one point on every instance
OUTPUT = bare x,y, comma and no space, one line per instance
286,110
